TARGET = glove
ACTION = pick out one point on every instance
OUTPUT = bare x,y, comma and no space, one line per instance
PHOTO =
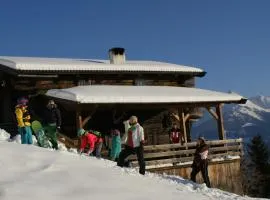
80,151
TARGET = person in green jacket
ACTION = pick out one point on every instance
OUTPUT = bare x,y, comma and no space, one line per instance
52,122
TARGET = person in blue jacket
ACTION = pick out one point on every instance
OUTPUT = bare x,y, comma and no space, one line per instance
115,145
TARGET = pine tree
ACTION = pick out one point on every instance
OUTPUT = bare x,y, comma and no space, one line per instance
259,153
259,156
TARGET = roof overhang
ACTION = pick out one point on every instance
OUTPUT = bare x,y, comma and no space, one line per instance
31,66
143,95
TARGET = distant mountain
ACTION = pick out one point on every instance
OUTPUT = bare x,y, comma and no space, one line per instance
244,121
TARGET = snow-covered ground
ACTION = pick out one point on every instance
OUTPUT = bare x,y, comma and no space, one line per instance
29,172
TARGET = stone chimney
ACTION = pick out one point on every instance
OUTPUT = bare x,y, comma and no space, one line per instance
117,55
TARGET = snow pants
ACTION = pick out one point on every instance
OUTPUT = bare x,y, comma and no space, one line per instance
116,147
203,167
98,148
26,135
128,151
50,131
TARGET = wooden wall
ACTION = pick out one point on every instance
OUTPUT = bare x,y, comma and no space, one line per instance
225,175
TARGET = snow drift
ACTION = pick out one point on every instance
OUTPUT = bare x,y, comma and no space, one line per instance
29,172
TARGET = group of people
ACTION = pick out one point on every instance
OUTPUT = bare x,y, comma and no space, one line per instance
51,120
92,141
133,141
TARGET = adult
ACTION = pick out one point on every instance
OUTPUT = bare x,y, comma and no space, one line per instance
134,144
175,135
92,139
52,122
200,162
23,120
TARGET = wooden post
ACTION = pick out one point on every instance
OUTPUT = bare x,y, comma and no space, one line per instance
78,118
183,124
220,122
78,123
188,130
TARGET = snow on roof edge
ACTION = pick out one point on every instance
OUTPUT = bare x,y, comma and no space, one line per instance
69,64
141,94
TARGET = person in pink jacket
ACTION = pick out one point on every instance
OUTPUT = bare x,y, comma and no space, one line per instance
91,138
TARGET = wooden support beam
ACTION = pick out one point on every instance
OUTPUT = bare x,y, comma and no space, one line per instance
186,117
213,113
220,122
176,116
85,120
78,119
78,123
183,124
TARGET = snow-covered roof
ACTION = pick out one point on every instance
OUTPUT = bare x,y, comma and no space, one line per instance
141,94
88,65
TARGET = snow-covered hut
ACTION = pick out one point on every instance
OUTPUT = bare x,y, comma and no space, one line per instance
102,89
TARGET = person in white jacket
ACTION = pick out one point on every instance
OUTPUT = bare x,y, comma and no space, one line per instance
133,144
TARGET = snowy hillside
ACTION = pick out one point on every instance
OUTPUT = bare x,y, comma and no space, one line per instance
30,172
244,120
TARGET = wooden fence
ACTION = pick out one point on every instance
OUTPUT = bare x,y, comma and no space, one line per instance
157,155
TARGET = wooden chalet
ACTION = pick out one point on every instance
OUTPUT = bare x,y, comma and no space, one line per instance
100,94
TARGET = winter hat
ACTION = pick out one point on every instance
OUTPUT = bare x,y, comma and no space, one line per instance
201,138
51,102
22,101
133,120
81,132
115,132
96,133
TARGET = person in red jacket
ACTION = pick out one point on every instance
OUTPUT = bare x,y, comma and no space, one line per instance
91,138
176,135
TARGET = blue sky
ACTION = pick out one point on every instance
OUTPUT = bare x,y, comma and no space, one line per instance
229,39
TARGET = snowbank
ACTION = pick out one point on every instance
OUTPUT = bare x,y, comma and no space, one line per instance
4,136
29,172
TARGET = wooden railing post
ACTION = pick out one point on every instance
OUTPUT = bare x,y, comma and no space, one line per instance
183,125
220,122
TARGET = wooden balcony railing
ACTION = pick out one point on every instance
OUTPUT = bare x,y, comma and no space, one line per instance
177,154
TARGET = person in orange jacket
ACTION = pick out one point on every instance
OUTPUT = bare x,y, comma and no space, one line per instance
23,119
91,138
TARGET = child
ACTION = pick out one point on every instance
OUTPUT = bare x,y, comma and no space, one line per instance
115,145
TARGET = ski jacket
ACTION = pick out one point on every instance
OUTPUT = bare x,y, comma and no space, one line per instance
175,135
116,147
52,116
201,154
22,116
135,135
91,140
